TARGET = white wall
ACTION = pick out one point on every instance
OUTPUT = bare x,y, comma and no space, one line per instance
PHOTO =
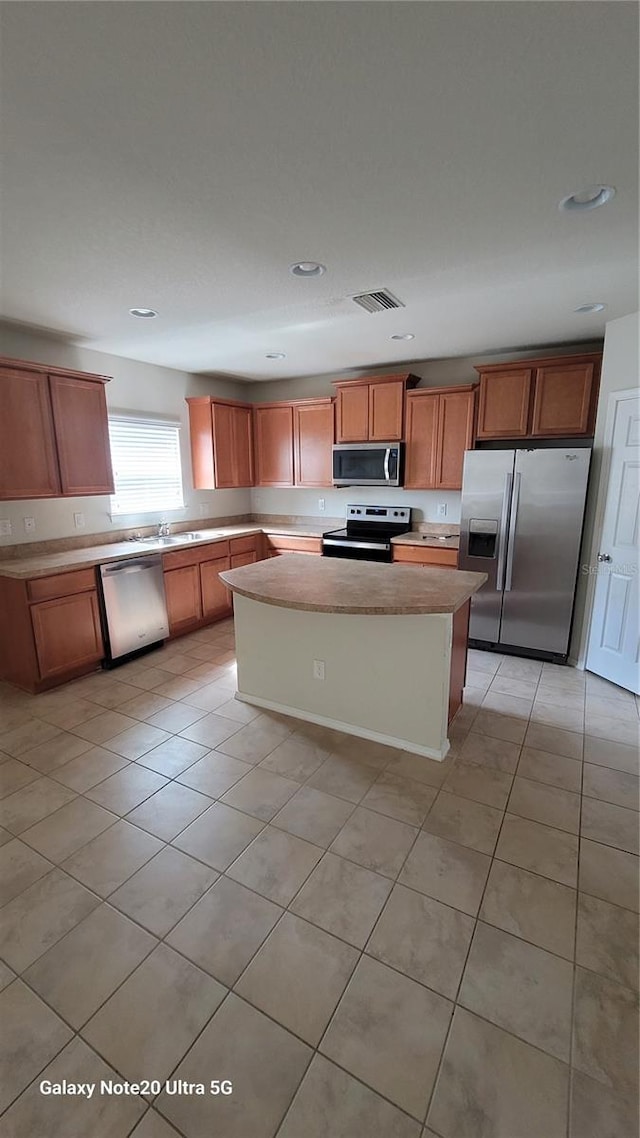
135,387
620,370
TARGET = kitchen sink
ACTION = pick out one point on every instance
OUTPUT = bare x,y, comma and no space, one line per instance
174,539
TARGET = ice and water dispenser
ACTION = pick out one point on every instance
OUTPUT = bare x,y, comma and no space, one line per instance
483,537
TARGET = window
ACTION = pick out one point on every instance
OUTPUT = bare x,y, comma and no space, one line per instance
146,465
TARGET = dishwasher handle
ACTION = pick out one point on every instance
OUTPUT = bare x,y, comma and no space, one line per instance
130,567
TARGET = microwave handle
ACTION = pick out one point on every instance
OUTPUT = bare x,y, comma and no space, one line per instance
387,456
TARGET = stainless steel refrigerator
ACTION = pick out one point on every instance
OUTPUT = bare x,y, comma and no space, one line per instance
522,515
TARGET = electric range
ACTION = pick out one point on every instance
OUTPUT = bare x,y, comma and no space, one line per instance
368,532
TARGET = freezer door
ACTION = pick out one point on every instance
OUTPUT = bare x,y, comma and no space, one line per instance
545,530
486,494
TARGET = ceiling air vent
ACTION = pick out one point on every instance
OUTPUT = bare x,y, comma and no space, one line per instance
377,301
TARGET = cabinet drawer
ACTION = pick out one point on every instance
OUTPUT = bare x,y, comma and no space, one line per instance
247,544
294,544
179,558
429,556
61,585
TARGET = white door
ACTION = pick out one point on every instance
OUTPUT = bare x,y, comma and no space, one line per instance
614,633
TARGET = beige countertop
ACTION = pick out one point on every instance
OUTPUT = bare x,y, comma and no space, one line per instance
428,539
331,585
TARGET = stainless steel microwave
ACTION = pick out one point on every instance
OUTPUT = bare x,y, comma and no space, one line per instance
367,464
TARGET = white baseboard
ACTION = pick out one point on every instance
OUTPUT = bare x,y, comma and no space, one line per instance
348,728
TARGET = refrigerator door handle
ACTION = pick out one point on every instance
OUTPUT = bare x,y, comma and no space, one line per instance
502,536
513,521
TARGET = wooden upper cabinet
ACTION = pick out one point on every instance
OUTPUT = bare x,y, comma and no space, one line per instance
28,461
542,398
313,440
421,436
82,434
371,409
456,412
55,433
221,439
386,405
273,435
563,399
503,405
352,421
439,429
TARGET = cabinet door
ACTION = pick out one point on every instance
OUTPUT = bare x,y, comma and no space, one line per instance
82,435
243,446
28,463
223,446
386,404
352,423
238,559
420,458
273,427
563,400
313,439
503,409
216,598
182,590
67,634
455,436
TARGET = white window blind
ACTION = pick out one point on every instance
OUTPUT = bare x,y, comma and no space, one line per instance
147,471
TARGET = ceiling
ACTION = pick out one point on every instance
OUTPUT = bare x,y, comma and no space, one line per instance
180,156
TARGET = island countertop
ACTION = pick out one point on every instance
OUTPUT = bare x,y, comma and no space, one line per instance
337,585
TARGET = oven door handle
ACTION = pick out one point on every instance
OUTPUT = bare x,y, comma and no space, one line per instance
387,456
356,544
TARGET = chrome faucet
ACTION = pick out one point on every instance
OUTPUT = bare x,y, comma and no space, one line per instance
163,529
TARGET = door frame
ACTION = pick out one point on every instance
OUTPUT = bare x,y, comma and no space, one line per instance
604,474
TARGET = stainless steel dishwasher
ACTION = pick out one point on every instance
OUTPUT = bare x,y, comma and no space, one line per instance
134,607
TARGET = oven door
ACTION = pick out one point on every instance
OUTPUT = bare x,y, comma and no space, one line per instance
367,464
357,550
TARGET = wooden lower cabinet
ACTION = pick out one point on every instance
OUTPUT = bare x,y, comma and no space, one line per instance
216,598
67,634
184,604
239,559
430,556
277,543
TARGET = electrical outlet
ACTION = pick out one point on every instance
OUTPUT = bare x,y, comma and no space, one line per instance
442,509
78,520
321,503
5,527
29,525
318,669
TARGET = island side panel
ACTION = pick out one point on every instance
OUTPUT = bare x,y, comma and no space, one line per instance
458,657
386,677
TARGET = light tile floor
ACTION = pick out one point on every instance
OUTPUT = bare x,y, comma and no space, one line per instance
368,944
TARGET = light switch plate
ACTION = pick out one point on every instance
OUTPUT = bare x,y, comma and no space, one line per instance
29,525
442,509
5,527
78,520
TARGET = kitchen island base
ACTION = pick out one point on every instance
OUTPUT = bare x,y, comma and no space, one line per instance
393,679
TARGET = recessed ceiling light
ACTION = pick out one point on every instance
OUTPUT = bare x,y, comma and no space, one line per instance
585,309
403,336
275,356
590,198
307,269
143,313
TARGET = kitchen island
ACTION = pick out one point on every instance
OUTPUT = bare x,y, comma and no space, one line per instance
373,650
